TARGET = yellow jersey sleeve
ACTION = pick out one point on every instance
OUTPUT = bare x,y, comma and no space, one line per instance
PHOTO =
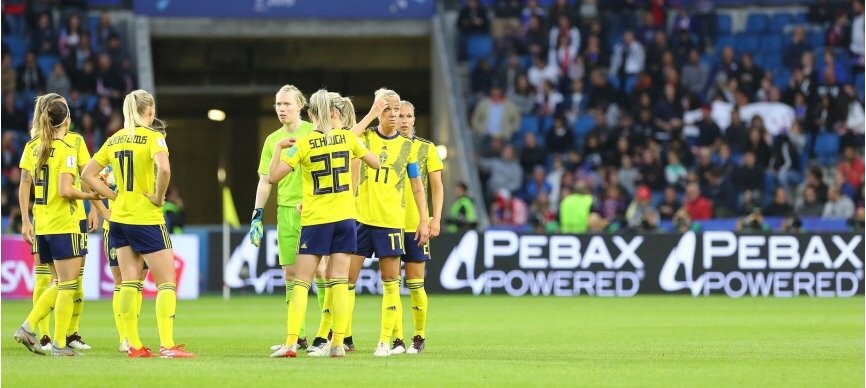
292,156
69,160
357,147
27,159
158,144
102,156
83,155
434,163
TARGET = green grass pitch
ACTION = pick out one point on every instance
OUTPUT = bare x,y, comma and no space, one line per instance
490,341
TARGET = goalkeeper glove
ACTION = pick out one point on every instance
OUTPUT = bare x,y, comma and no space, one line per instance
256,230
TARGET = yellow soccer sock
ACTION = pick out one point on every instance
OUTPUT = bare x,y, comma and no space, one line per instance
63,311
166,305
128,289
139,298
321,284
297,311
338,294
390,299
42,308
398,321
77,304
118,320
350,306
327,318
43,282
418,303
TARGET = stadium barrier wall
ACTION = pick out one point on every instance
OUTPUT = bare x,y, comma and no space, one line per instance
18,277
510,263
323,9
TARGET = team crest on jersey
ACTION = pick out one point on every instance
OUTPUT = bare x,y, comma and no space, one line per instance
383,156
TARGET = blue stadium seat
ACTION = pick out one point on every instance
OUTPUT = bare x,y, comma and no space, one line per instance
773,61
779,21
46,63
479,46
827,148
17,46
772,45
747,43
104,3
725,24
529,123
757,23
816,38
584,124
799,18
724,41
858,83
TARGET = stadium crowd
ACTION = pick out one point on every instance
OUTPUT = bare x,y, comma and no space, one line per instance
49,47
601,115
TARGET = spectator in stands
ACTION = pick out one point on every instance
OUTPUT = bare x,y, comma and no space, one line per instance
535,36
508,9
115,50
592,151
85,80
839,33
752,223
575,103
749,76
627,60
809,205
704,22
595,56
508,210
562,55
11,152
540,72
785,162
602,93
523,95
720,191
43,39
30,76
670,203
505,172
533,10
548,100
709,134
472,20
481,80
14,118
612,205
532,154
8,76
509,72
640,213
675,172
757,144
462,215
127,75
822,12
559,138
780,206
58,82
851,168
796,48
727,66
108,81
104,30
575,208
646,34
696,74
736,133
564,29
11,208
80,55
173,211
698,207
748,177
858,222
70,36
537,183
14,22
627,174
651,171
838,205
858,42
496,116
669,112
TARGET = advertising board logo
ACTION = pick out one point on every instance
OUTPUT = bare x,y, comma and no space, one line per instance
763,265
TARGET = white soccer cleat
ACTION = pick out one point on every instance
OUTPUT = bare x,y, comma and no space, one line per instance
124,346
398,347
29,340
276,347
74,341
338,352
320,351
417,345
382,350
286,351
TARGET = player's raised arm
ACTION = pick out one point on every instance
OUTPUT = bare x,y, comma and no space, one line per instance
90,175
278,169
378,106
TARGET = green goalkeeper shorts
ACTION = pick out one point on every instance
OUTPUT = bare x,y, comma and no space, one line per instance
288,233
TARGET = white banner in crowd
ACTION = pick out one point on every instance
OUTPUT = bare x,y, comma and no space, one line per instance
777,116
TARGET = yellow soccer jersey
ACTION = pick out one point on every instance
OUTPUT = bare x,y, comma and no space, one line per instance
83,156
52,214
381,201
428,161
324,164
131,158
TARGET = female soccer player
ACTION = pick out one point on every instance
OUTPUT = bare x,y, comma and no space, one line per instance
51,166
324,159
139,157
382,207
289,102
417,256
43,278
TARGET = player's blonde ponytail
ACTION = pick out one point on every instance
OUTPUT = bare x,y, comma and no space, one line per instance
347,112
321,105
135,105
50,117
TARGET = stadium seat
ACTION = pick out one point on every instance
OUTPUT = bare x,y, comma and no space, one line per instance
858,83
724,41
779,21
757,23
584,124
816,38
747,43
781,76
772,45
725,24
799,18
17,46
529,123
104,3
479,46
827,148
46,63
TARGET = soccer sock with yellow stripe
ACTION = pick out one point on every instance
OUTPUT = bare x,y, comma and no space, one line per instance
77,304
350,306
418,304
290,286
327,318
166,305
398,321
338,295
63,311
390,300
321,284
42,308
297,310
115,307
139,298
128,291
43,282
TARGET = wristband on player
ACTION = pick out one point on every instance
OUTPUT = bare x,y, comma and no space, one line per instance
257,214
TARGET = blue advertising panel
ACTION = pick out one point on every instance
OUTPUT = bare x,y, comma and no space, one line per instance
320,9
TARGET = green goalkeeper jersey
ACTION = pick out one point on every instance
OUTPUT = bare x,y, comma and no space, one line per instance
289,190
